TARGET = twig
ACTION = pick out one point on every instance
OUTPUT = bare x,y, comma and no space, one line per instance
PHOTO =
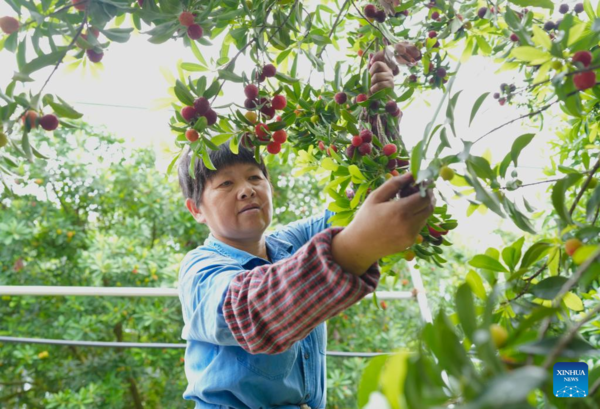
369,21
584,187
528,280
532,184
339,16
575,277
565,339
542,109
594,387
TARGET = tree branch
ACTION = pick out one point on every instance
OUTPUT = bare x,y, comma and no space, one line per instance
333,27
528,280
369,21
584,187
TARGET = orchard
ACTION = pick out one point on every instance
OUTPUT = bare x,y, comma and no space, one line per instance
521,308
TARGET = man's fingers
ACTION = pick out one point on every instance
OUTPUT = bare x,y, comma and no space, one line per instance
390,188
379,66
402,61
378,56
381,85
381,76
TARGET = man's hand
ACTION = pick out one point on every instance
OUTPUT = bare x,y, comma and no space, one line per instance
383,63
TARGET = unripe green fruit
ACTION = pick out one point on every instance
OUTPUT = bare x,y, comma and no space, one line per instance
499,335
3,139
446,173
314,119
593,183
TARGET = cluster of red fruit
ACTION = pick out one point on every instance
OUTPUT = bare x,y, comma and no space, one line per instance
372,13
586,79
267,71
276,138
200,108
266,107
48,122
507,91
194,31
9,25
92,55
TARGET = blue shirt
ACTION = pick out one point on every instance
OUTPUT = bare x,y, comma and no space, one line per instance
220,373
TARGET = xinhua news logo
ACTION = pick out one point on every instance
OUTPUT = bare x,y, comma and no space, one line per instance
570,379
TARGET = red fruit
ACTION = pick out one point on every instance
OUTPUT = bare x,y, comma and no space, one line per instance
274,148
365,148
260,77
268,111
191,135
250,103
482,12
279,102
360,53
392,164
261,132
79,4
395,71
186,18
194,31
140,2
251,91
441,72
434,232
31,118
391,107
370,11
321,145
395,172
356,141
49,122
389,149
331,147
412,78
432,34
280,136
584,57
502,101
350,151
380,16
514,38
366,136
397,113
211,117
9,24
341,98
188,113
584,80
201,105
435,15
94,56
278,118
572,245
384,305
401,163
269,70
361,98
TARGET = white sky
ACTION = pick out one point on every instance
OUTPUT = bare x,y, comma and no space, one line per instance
132,80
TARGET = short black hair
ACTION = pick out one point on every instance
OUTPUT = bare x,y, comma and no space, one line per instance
221,158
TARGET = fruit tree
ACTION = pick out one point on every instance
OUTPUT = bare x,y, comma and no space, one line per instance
522,307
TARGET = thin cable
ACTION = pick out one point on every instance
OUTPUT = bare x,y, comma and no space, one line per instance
99,344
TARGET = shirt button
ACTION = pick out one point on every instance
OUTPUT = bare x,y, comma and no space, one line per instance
305,356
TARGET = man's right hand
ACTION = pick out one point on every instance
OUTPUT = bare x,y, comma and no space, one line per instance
382,227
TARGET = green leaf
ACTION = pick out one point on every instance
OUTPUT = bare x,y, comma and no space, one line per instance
120,35
519,144
465,308
558,196
573,302
369,380
415,159
534,253
575,348
230,76
476,283
532,55
450,111
206,159
285,78
41,62
197,53
356,173
477,106
64,110
192,67
488,263
183,94
511,388
548,288
546,4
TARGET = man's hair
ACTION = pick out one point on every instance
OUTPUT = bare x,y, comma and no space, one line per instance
222,158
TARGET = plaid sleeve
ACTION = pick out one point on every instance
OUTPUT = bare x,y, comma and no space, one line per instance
273,306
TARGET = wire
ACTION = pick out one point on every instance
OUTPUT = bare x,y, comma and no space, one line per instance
99,344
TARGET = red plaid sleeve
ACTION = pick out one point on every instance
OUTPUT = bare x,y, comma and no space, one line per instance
271,307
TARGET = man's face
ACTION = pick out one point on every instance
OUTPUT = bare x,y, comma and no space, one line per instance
227,194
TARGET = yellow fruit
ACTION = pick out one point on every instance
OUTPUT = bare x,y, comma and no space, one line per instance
70,234
3,139
388,176
446,173
314,119
409,255
419,239
572,245
251,116
58,231
43,354
499,335
39,181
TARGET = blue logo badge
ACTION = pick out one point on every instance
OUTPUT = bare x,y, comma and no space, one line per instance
570,379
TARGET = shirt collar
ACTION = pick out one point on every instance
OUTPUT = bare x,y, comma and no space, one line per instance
276,248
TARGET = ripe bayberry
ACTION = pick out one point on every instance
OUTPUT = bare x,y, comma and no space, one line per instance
250,103
356,141
380,16
188,113
482,12
514,38
251,91
30,118
563,9
191,135
496,95
361,98
402,163
365,148
441,72
584,80
274,148
261,132
412,78
578,8
502,101
435,15
370,10
279,102
391,107
389,149
350,151
549,25
366,136
280,136
268,111
321,145
432,34
341,98
49,122
584,57
408,190
269,70
194,31
186,18
211,117
9,24
94,56
392,164
201,105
